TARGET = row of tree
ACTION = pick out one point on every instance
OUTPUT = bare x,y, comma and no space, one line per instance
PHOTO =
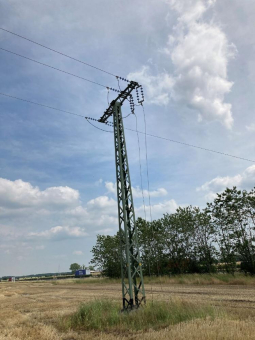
191,240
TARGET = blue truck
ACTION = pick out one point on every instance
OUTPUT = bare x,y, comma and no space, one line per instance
82,273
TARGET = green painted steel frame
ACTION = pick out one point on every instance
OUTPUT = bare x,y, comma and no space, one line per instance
133,292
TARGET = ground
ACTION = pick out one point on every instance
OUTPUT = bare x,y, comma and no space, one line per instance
32,310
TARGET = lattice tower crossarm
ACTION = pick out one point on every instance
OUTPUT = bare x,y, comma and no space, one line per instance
133,293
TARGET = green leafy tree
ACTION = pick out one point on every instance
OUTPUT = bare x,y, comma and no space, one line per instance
74,267
233,213
106,255
179,239
204,241
151,248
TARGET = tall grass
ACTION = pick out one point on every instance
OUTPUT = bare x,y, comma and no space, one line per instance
103,315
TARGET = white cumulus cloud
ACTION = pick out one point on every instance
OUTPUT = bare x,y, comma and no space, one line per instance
158,209
59,233
157,87
200,53
22,194
137,192
245,180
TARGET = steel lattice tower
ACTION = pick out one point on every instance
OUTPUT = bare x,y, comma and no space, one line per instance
133,293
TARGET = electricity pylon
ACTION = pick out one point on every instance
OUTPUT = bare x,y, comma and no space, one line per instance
133,293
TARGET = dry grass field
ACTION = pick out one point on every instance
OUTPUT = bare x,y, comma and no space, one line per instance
33,310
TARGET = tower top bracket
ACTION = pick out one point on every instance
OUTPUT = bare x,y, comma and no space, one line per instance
120,99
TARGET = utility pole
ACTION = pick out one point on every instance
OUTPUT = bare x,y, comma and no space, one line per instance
133,293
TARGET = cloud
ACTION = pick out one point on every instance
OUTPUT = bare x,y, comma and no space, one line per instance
25,208
157,209
245,180
111,187
250,128
99,182
158,88
59,233
190,10
200,53
78,252
20,194
102,202
137,192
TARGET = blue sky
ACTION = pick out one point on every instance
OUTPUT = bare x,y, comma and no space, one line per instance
195,59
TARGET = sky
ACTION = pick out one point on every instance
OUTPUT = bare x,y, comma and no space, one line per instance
195,60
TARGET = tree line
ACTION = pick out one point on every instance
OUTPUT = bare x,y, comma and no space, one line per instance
76,266
191,240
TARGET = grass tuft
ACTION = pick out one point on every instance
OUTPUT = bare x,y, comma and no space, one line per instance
105,315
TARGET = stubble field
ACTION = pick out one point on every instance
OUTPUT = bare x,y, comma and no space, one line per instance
33,310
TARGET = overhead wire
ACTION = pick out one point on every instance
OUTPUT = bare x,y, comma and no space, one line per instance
146,156
141,132
148,186
54,68
140,166
43,105
97,126
54,108
61,53
144,207
194,146
108,97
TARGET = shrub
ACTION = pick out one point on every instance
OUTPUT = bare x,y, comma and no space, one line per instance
106,315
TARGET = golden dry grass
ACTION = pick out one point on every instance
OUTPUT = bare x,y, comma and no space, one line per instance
186,279
33,310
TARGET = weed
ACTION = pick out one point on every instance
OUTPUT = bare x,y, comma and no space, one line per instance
105,315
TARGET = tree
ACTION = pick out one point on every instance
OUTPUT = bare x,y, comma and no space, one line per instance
205,250
106,255
190,240
179,240
74,267
151,250
233,212
222,221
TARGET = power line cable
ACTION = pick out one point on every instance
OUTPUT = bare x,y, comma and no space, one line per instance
193,146
146,155
108,97
63,54
87,119
55,68
147,134
47,106
144,207
153,246
53,108
140,167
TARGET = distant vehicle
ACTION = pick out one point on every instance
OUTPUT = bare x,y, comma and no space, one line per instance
82,272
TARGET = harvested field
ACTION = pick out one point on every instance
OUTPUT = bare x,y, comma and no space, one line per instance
33,310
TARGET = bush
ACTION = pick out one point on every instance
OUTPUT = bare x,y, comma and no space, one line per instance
106,315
